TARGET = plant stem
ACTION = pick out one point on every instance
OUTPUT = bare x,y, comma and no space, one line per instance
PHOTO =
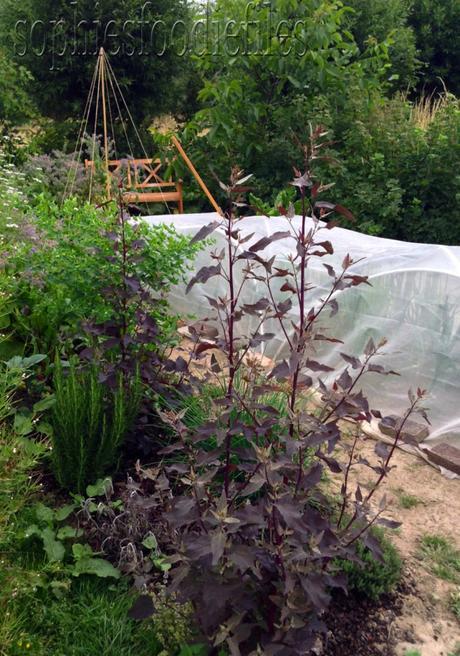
231,343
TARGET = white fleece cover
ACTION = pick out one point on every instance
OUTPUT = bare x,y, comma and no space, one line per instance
413,301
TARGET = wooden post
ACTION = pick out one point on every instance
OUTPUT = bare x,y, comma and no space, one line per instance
196,175
104,117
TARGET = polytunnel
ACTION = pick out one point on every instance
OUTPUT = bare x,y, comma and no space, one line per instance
413,301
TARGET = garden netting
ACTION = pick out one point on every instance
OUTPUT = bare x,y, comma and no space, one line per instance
413,301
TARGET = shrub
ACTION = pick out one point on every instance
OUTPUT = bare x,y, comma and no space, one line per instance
393,169
250,103
435,24
90,422
387,20
373,577
65,257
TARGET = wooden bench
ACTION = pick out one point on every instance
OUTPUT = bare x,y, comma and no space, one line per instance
143,182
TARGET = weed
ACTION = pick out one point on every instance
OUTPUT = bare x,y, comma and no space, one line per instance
454,603
442,556
407,501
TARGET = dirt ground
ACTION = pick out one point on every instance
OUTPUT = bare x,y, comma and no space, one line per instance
424,621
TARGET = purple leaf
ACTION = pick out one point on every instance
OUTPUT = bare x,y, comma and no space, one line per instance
205,231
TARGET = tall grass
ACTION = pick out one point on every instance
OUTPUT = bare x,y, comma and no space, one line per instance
90,422
425,109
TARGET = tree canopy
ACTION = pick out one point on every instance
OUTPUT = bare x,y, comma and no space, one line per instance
58,42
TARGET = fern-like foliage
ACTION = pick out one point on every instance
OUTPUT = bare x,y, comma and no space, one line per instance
90,422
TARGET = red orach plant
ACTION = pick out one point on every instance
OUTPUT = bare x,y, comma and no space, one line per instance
252,536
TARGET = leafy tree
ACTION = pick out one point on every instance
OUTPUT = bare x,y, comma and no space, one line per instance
58,41
436,24
382,20
268,70
15,104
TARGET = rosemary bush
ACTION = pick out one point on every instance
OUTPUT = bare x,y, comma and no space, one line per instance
90,422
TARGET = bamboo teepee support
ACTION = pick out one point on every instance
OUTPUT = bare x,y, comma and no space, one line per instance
104,118
150,187
196,175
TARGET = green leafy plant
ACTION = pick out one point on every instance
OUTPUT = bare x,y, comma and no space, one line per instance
390,169
442,557
370,576
62,258
55,536
90,422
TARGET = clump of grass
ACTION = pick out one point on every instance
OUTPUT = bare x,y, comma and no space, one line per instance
407,501
426,108
371,577
90,620
442,556
454,603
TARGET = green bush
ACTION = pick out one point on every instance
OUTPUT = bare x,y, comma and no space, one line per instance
398,169
435,24
58,266
90,422
373,578
252,104
387,20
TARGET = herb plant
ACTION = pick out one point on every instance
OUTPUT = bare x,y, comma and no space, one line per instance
90,422
252,537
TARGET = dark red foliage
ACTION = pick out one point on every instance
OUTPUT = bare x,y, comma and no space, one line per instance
250,534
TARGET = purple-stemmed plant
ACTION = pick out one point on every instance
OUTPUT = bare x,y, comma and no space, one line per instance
251,532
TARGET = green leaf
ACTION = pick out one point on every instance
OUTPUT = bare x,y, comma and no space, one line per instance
44,514
15,362
81,551
65,511
150,542
44,428
23,424
67,532
161,564
54,549
45,403
33,360
32,530
96,566
100,488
